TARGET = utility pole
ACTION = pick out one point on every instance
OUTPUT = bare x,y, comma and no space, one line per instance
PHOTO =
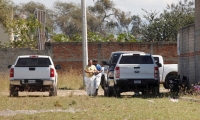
84,37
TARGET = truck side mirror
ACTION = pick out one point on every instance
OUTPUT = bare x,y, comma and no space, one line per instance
9,66
58,67
104,63
159,64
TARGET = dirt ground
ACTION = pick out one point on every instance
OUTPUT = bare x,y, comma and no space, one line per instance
9,112
69,92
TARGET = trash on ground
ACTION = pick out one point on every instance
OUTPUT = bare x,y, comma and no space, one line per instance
196,88
150,100
174,100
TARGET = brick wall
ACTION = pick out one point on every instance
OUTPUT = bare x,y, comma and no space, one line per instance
69,55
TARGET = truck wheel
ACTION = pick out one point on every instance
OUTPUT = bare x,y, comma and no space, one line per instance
146,92
108,91
13,92
103,82
167,81
116,92
156,90
53,91
165,85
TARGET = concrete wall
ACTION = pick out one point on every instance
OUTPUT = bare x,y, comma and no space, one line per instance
197,39
69,55
186,59
189,42
8,56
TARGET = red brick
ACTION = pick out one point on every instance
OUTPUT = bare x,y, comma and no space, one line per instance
69,55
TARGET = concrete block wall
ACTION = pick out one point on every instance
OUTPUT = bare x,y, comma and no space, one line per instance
186,59
197,39
191,58
8,56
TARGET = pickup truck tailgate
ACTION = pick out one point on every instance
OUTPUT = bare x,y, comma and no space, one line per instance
32,72
143,71
32,68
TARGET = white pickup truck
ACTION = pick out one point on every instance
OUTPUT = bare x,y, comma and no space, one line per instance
33,73
166,71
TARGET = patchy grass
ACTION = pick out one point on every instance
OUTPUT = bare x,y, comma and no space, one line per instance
100,108
4,81
89,108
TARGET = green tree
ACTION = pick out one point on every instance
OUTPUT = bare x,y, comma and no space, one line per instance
165,26
60,38
5,11
25,30
30,8
69,19
136,25
126,37
114,20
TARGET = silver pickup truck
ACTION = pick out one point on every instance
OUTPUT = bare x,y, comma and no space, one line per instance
166,71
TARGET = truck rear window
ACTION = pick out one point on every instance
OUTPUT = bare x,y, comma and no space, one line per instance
33,62
136,60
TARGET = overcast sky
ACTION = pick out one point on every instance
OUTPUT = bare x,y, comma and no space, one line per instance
134,6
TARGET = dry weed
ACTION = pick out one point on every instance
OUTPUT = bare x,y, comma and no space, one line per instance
72,79
66,80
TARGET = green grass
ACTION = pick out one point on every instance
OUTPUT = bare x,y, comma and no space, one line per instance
94,108
101,108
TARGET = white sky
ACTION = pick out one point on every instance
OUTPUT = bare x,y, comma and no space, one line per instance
134,6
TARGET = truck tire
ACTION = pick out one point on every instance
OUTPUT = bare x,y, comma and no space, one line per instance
156,90
116,91
53,91
165,85
146,92
13,92
169,77
108,91
103,82
167,81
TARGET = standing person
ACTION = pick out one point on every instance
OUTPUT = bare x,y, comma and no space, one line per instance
90,70
97,74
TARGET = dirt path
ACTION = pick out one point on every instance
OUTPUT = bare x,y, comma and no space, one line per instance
69,92
9,112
